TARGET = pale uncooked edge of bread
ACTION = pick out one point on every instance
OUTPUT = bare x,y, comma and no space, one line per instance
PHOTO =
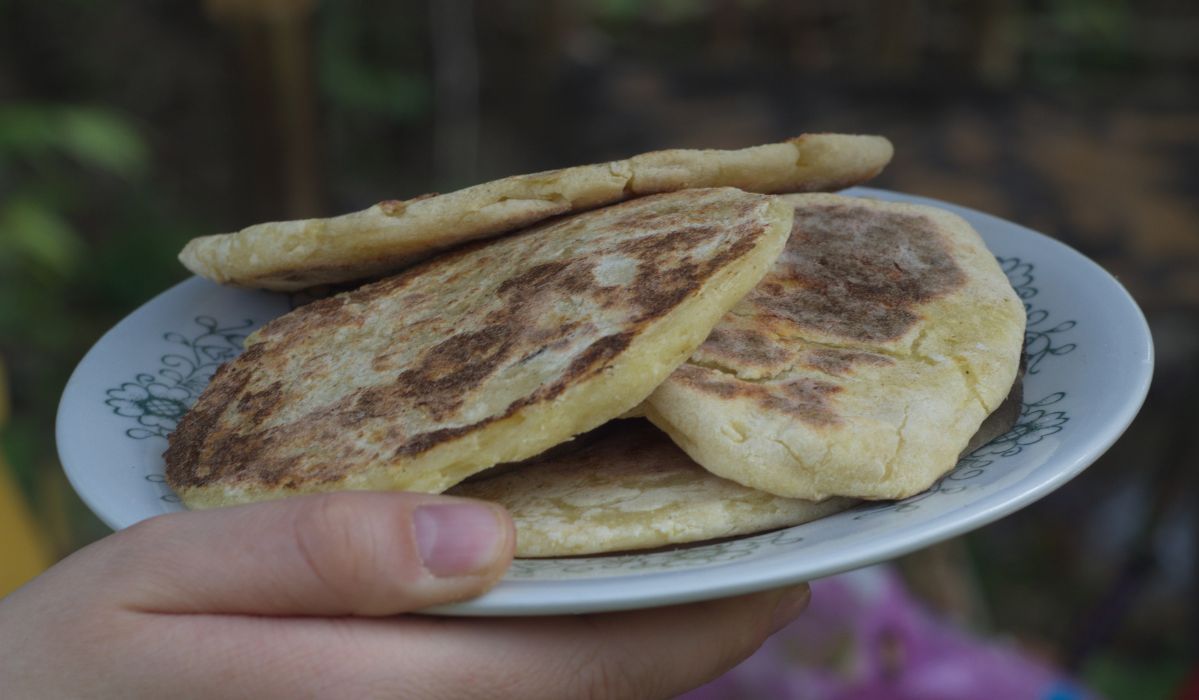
374,241
984,392
608,394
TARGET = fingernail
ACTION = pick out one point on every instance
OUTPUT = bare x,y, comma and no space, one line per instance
457,539
789,606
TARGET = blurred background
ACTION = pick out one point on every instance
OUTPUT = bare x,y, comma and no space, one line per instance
127,128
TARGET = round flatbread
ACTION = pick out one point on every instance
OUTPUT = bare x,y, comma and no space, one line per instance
631,488
860,365
490,354
290,255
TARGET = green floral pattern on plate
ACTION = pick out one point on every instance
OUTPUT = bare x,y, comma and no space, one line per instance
157,401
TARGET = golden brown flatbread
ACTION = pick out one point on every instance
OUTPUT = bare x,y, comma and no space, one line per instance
290,255
489,354
861,364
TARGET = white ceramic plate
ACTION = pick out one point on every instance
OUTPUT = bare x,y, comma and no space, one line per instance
1090,363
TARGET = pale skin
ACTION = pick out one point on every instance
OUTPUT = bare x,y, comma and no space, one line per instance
306,598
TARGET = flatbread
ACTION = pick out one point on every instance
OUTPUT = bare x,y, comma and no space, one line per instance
626,486
860,366
631,488
489,354
290,255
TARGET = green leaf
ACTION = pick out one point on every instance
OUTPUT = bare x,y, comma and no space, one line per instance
95,137
103,140
32,232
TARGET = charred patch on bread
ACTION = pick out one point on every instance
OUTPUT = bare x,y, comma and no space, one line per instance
597,356
185,462
857,273
750,350
446,373
803,398
541,278
257,405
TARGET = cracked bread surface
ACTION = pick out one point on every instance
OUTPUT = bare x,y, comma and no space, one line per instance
863,362
292,255
489,354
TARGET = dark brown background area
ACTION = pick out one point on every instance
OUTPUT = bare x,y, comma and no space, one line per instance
1078,118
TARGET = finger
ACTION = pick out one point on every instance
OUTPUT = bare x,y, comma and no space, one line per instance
354,553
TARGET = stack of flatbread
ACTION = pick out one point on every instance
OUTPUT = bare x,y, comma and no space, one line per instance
731,357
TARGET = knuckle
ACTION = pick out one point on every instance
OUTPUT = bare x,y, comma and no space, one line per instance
354,550
329,542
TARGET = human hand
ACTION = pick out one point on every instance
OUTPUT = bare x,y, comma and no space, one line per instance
304,598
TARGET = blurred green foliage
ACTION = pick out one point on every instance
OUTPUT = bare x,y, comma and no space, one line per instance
1078,37
94,137
360,71
39,246
71,178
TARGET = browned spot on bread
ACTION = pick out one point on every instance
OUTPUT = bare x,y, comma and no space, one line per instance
745,348
185,456
805,399
569,277
857,272
840,362
247,457
396,207
659,287
317,314
538,276
257,405
593,359
597,356
647,217
450,370
259,455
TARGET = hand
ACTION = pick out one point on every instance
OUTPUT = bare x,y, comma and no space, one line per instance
304,598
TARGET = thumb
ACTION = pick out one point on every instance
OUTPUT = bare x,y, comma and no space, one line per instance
353,553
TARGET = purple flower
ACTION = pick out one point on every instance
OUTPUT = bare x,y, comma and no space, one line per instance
865,637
